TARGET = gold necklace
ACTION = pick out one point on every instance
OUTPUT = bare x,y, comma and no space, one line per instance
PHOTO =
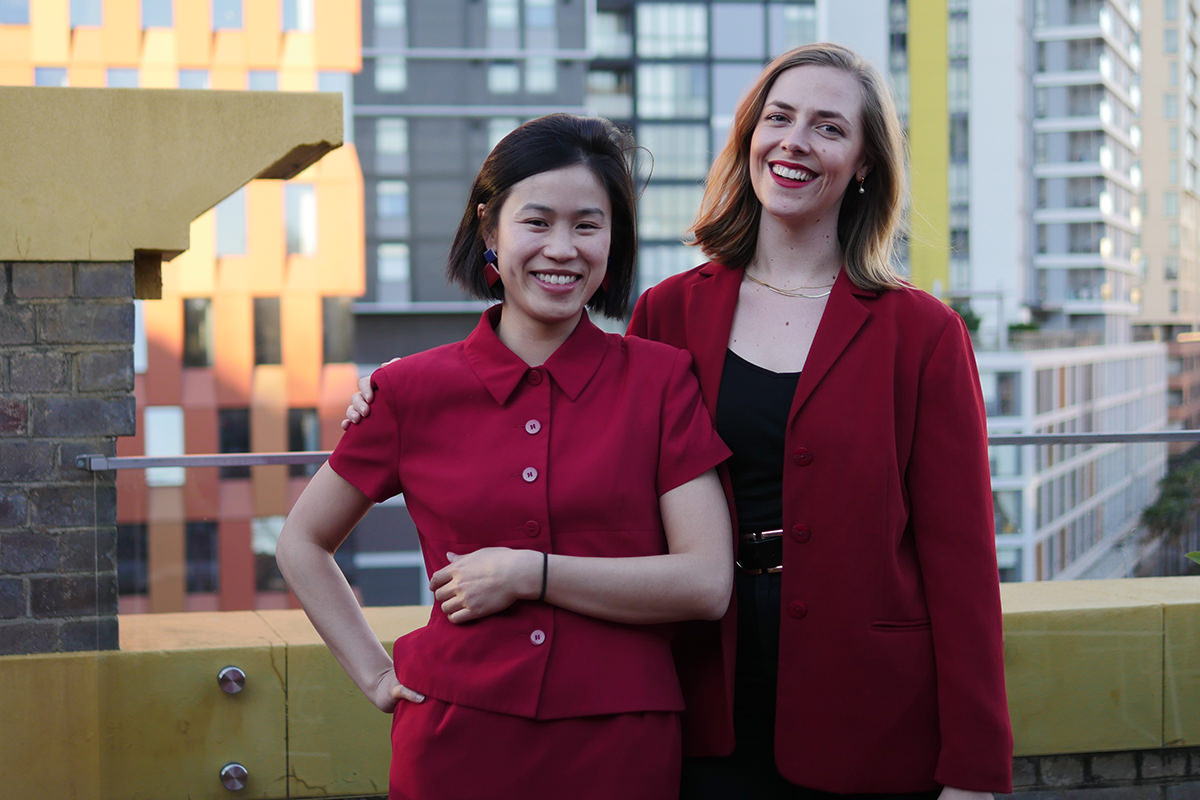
792,292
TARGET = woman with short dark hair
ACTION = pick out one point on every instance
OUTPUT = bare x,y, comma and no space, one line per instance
562,483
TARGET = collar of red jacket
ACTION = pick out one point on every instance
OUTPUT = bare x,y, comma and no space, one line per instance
500,370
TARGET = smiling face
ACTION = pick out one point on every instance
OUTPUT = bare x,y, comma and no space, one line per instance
551,237
807,146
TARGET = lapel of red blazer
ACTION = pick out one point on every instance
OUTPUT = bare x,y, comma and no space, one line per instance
844,315
709,320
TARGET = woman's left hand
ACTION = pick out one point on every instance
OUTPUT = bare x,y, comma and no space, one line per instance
950,793
486,582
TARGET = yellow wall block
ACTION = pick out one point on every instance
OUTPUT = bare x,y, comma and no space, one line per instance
152,159
168,728
339,741
1084,669
50,718
1180,602
929,142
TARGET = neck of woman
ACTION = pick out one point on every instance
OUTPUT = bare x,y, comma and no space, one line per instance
808,255
534,343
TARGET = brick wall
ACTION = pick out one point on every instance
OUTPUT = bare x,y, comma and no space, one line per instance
66,389
1167,774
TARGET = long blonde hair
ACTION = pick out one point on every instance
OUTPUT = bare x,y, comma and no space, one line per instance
726,227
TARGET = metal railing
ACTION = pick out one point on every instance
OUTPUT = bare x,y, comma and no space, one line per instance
102,463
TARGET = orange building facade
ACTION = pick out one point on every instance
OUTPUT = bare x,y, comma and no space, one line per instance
250,347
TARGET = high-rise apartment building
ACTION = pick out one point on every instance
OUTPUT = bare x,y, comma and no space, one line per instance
1042,177
1171,200
249,348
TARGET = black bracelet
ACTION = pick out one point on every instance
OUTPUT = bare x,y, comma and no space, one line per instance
545,572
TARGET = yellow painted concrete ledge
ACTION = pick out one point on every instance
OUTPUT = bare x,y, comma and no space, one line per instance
1091,666
107,174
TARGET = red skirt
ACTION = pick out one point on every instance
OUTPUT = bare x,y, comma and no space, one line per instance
445,750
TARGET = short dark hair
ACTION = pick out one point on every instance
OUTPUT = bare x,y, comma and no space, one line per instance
548,143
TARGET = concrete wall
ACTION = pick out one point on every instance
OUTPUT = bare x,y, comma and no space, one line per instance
1103,681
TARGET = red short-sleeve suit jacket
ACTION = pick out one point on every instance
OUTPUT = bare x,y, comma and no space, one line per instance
891,664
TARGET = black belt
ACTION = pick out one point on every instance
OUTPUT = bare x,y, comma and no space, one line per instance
760,552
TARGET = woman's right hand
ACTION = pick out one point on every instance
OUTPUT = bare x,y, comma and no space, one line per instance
389,691
360,402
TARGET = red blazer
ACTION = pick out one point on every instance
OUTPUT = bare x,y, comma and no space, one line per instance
891,675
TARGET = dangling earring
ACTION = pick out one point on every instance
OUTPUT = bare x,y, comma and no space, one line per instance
861,178
490,271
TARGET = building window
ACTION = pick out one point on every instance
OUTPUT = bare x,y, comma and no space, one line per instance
679,151
197,332
1172,235
1007,510
541,32
498,128
337,329
792,25
301,218
671,91
121,78
262,80
297,15
1173,301
504,78
226,15
666,211
87,13
49,76
203,563
672,30
14,12
140,346
613,34
1001,393
231,225
233,436
1171,268
391,144
392,200
163,435
133,561
1171,203
541,76
610,93
268,344
392,283
304,435
737,31
503,17
391,74
1170,106
1171,40
264,538
158,14
659,261
390,13
193,79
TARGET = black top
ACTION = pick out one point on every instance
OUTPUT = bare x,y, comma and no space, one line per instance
752,412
